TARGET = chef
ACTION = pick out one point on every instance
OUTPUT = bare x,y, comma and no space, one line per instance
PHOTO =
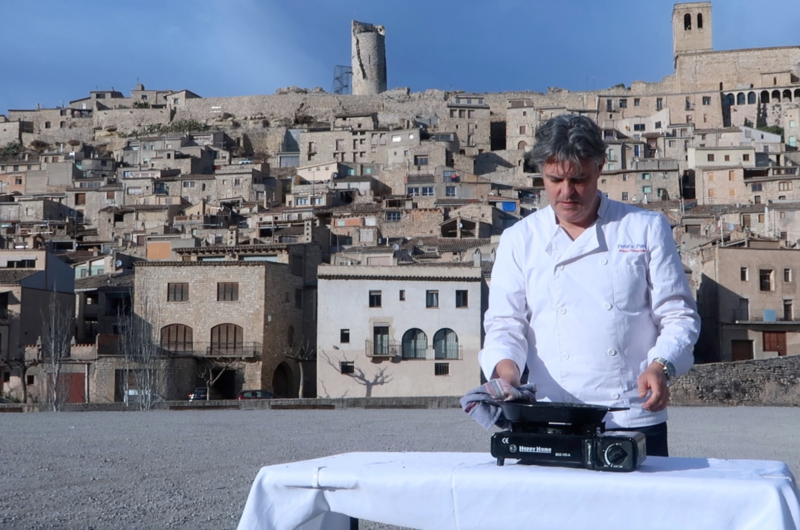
590,294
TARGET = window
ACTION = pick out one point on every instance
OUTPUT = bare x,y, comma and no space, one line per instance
757,199
441,368
646,189
787,275
347,367
415,344
445,344
746,157
765,279
177,292
29,380
402,296
624,195
462,298
380,337
188,184
450,191
785,185
731,175
791,124
744,274
658,125
523,129
237,183
227,291
431,298
375,299
344,336
638,126
732,193
420,160
788,310
671,143
296,263
636,102
298,299
727,158
756,187
47,125
710,157
706,100
413,191
394,216
177,338
645,176
623,103
427,191
80,199
659,103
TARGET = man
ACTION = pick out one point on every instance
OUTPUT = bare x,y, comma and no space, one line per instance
590,293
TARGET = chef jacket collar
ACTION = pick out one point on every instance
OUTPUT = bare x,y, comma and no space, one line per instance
587,242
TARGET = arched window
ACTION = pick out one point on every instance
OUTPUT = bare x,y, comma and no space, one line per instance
796,93
730,99
764,96
776,95
415,343
787,95
751,98
226,339
445,344
687,22
176,338
740,98
290,336
699,20
522,145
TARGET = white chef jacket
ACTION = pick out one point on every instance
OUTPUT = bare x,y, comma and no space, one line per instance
589,316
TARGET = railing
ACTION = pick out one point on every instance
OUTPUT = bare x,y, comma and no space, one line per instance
393,348
383,348
213,349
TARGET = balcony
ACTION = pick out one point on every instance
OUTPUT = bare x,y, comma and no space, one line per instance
447,352
245,350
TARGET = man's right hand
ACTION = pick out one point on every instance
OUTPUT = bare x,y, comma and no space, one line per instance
508,371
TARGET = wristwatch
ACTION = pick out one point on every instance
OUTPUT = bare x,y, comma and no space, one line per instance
669,368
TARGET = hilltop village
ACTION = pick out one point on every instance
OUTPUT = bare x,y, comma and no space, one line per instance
330,245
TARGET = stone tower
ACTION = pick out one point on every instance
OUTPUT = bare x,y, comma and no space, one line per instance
691,27
368,59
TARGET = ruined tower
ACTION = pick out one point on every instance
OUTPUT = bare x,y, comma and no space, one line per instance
691,27
368,58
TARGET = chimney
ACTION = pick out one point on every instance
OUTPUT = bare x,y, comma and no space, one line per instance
476,258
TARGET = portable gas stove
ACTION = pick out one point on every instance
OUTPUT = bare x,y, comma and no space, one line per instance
567,435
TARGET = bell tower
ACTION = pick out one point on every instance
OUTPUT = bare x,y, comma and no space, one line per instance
691,28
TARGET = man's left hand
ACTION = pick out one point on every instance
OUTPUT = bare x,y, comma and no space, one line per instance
655,381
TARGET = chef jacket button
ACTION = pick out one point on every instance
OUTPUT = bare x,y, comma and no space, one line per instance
565,356
563,310
560,267
607,306
603,261
615,395
612,352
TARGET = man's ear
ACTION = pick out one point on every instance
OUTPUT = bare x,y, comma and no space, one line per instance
601,165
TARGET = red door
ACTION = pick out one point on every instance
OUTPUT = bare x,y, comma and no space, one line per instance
775,341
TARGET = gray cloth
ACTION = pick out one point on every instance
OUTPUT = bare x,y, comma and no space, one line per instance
482,403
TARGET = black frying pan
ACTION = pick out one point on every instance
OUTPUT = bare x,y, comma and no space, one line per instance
551,412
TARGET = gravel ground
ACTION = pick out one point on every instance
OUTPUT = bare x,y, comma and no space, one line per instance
193,469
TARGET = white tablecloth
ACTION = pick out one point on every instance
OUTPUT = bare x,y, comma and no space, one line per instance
467,491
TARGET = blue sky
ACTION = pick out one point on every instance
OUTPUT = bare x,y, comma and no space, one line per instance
52,51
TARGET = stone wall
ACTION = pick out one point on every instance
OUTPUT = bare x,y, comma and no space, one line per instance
760,382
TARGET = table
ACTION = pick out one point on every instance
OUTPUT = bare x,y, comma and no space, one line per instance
468,491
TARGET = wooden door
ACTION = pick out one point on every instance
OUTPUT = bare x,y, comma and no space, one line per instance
741,350
775,341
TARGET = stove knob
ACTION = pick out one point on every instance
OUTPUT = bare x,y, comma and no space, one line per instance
615,454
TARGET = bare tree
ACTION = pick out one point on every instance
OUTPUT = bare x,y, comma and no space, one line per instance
381,377
56,342
210,369
144,357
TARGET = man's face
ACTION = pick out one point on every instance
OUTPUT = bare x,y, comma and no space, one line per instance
572,191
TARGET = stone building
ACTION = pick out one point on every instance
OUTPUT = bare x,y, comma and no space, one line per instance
245,318
469,117
368,58
407,330
747,300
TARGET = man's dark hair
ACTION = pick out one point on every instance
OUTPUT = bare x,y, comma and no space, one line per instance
568,138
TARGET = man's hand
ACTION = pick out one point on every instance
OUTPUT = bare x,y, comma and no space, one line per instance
508,371
654,380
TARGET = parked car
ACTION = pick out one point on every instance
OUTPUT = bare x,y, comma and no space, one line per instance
255,394
6,400
132,396
201,394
